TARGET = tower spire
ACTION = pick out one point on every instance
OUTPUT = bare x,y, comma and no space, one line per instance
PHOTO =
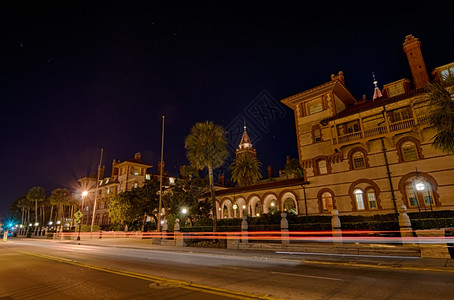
377,92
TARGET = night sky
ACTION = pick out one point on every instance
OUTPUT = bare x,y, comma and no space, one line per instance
79,77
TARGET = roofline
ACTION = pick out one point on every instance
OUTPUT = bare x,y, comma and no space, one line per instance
262,186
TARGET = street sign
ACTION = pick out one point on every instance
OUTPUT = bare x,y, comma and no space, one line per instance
78,215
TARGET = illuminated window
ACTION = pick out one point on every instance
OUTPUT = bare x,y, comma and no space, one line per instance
135,185
289,206
371,199
147,177
409,151
359,199
359,161
327,202
136,171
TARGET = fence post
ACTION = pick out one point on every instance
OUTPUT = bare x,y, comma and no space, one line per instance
405,225
244,229
336,227
284,228
164,229
178,236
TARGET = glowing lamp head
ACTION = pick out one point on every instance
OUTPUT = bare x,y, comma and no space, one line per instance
84,193
420,186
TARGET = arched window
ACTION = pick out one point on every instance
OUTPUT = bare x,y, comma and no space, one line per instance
359,199
409,151
327,202
258,208
289,206
365,199
419,193
358,160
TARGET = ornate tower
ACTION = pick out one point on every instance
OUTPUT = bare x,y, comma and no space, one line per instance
412,47
245,146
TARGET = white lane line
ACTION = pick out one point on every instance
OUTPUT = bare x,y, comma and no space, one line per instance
352,255
308,276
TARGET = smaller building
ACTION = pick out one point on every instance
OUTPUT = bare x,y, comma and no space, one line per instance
126,175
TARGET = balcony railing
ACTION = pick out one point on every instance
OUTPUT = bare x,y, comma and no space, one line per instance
395,126
400,125
350,137
375,131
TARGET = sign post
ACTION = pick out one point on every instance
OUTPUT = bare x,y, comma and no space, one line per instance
77,217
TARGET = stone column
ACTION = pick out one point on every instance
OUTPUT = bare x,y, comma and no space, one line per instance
178,236
284,228
405,225
336,227
244,229
164,229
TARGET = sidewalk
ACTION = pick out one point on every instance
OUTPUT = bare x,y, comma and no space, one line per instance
373,256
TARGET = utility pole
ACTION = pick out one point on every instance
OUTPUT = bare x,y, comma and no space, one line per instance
160,176
96,192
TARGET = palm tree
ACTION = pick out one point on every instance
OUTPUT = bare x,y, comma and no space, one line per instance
23,204
293,167
36,194
59,198
206,148
246,170
442,115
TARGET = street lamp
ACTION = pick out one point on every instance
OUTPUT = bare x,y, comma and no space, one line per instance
235,207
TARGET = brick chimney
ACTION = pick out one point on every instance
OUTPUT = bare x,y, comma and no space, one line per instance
221,179
114,167
412,47
270,172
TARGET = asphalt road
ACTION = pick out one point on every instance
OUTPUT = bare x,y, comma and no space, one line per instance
31,269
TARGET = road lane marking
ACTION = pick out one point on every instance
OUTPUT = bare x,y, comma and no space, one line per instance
309,276
160,280
289,274
395,267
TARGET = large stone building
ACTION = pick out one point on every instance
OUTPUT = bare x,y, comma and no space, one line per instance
360,156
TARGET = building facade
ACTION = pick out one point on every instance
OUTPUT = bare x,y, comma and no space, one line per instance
362,157
126,175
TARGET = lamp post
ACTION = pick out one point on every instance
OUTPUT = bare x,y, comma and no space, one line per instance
84,194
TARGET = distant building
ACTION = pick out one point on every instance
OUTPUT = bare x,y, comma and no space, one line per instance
125,176
363,156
